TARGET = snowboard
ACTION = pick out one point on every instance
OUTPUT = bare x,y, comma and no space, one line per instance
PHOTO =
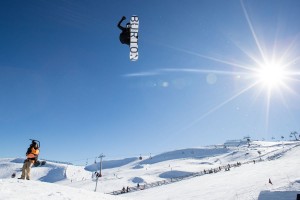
39,163
134,29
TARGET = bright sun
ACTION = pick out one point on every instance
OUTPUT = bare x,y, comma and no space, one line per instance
271,75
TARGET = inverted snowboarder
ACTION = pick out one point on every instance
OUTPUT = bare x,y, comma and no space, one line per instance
129,36
125,34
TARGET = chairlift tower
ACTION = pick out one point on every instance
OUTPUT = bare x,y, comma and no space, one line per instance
100,170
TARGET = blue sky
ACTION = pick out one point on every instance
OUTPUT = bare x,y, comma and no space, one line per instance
66,80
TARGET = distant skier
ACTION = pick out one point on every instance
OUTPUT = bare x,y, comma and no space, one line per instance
97,174
123,190
32,156
270,181
125,34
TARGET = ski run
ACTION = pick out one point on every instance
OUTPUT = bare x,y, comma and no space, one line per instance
235,170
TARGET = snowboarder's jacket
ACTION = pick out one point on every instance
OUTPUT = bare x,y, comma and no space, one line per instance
125,35
32,153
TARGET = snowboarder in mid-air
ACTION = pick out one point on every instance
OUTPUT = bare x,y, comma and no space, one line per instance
32,157
125,34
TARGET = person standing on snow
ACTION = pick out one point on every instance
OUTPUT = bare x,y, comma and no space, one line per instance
32,156
125,34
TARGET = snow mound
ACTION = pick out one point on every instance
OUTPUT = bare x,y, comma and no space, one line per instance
137,180
174,174
55,173
18,160
287,192
235,143
5,170
138,167
110,164
278,195
205,163
196,153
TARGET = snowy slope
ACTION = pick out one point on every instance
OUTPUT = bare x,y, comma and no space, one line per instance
12,189
250,181
279,162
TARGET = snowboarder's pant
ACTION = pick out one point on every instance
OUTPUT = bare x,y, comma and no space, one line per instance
26,169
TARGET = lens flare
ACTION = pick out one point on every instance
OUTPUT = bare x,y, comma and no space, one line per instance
271,75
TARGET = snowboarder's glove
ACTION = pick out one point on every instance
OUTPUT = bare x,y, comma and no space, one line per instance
123,18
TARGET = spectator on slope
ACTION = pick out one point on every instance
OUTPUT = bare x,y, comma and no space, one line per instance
270,181
31,157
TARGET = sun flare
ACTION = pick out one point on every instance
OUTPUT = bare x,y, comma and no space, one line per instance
271,74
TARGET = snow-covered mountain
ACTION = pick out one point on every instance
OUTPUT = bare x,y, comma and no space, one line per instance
263,171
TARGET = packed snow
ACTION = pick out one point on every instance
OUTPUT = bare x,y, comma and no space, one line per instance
261,171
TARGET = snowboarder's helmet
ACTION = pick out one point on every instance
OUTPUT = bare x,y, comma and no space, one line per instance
34,143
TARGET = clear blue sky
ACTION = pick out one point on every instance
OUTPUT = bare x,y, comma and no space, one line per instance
66,80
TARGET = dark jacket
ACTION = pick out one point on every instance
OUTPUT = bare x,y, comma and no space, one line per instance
125,34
